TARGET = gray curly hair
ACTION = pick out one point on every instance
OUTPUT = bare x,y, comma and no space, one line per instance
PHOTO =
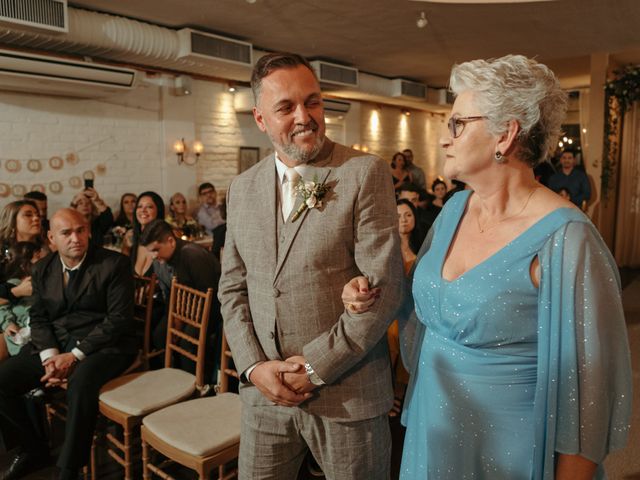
517,88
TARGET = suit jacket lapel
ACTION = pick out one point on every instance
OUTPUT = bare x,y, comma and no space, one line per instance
54,279
265,211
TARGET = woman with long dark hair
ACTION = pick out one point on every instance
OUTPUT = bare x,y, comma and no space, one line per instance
409,245
149,206
19,222
127,211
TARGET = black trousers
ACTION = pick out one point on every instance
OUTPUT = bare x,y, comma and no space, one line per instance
22,373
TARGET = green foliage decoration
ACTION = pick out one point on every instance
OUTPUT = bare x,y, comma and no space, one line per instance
620,94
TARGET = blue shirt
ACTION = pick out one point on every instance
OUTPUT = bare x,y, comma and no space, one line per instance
576,182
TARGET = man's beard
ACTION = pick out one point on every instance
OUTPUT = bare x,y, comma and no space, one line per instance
296,153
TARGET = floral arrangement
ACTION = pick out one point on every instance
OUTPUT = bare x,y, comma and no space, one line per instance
311,194
620,93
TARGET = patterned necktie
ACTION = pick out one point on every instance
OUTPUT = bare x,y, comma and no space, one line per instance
289,191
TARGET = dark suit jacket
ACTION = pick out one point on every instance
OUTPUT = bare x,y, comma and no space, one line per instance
99,314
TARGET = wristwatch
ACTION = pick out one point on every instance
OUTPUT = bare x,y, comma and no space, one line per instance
313,376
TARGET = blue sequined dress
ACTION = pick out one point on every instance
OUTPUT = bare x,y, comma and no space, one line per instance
507,373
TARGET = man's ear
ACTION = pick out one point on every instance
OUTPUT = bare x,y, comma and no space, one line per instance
257,116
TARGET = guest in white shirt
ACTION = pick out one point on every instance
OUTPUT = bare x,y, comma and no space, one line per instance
209,215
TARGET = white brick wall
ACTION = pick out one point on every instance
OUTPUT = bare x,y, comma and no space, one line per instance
132,134
394,132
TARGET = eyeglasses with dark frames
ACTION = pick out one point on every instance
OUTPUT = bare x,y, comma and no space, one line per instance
456,124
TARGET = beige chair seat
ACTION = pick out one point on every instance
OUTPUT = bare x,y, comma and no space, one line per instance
187,427
139,394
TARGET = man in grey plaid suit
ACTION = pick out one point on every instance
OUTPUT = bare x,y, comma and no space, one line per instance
315,375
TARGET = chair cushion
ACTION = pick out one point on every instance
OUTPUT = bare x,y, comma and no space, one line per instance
149,391
198,427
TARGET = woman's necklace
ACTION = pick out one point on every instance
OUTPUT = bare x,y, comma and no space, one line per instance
485,228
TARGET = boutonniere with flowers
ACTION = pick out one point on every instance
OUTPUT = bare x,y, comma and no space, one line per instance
311,194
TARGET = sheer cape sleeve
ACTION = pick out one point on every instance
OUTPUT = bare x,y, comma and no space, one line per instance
410,328
583,397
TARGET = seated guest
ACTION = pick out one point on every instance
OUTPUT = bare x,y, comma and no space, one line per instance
14,318
123,223
571,178
439,189
127,209
209,215
19,222
193,266
81,332
40,199
149,207
400,171
97,213
179,218
417,174
424,216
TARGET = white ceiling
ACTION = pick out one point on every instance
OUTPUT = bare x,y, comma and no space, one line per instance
381,36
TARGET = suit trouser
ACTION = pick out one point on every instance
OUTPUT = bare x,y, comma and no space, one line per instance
274,441
22,373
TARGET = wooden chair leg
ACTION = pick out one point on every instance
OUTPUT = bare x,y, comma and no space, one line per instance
145,461
92,458
127,453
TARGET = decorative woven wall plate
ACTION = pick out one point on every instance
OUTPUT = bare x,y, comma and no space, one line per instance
13,166
75,182
34,165
56,163
72,158
18,190
55,187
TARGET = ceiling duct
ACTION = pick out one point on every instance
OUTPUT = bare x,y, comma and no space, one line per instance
206,46
441,96
27,72
335,74
48,15
401,88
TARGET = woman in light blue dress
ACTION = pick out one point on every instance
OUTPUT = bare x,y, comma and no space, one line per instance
516,342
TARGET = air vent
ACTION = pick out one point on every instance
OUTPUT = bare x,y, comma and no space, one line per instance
335,106
335,74
27,72
48,15
441,96
407,89
213,47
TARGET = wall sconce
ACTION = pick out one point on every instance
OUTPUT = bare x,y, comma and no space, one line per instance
182,151
406,112
422,21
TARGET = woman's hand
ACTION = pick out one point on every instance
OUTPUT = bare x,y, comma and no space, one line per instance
92,194
357,296
574,467
23,289
12,329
